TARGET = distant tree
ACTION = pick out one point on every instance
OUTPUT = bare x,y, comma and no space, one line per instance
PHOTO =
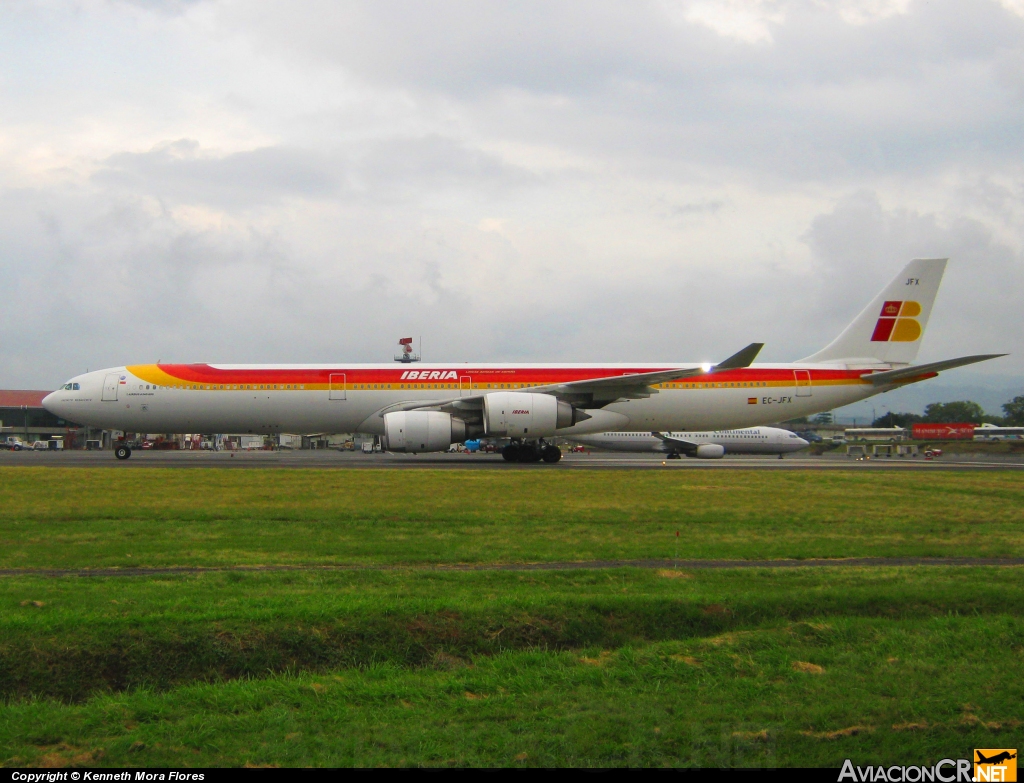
897,420
823,418
962,410
1014,411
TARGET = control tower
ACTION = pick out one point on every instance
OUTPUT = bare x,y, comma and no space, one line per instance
406,354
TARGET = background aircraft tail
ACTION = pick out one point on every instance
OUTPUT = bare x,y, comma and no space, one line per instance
891,328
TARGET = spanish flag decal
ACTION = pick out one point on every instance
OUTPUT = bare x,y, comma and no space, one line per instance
898,323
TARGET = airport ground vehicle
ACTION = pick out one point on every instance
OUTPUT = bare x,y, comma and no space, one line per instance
14,444
429,408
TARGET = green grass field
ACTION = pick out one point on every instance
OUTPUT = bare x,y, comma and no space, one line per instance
93,518
583,667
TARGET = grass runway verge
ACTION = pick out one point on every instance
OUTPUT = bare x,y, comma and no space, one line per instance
752,667
624,667
74,518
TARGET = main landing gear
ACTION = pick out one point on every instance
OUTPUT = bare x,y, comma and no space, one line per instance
534,451
122,452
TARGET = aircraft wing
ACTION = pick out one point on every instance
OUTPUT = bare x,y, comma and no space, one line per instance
597,392
684,446
593,392
919,372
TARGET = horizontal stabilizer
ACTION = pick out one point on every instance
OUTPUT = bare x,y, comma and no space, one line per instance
916,371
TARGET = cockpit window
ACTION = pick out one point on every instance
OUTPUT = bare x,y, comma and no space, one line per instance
72,387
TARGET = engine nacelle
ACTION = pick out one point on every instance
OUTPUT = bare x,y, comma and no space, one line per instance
416,431
525,415
710,451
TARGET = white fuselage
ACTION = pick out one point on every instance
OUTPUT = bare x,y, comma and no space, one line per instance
302,399
425,407
752,440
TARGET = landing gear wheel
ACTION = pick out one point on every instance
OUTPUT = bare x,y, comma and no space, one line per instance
510,453
529,453
674,455
122,452
551,454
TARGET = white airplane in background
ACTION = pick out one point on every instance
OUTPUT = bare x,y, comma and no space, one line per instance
702,445
432,406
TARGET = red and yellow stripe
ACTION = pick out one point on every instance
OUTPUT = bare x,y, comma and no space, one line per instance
203,376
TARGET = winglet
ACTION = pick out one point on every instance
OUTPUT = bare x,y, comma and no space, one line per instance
740,359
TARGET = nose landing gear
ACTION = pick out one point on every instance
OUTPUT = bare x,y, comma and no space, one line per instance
122,452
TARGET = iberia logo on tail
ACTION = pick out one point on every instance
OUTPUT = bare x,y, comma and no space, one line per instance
898,323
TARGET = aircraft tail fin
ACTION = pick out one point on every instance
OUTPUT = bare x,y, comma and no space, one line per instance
891,328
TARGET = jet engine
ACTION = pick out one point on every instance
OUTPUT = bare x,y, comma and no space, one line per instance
526,415
416,431
710,451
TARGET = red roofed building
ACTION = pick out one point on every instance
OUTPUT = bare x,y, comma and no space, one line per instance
23,416
17,398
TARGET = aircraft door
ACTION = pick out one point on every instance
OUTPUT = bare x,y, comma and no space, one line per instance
110,387
465,386
803,382
338,389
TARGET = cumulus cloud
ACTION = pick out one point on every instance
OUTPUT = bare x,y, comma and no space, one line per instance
662,180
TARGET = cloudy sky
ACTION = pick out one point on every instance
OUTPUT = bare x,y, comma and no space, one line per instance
253,181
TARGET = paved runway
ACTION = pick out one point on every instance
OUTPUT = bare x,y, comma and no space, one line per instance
595,460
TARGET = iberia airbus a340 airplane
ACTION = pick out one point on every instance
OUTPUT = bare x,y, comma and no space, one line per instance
428,408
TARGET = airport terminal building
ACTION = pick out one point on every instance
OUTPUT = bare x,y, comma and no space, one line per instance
23,416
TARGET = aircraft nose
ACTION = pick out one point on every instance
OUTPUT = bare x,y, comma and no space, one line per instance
803,442
52,403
